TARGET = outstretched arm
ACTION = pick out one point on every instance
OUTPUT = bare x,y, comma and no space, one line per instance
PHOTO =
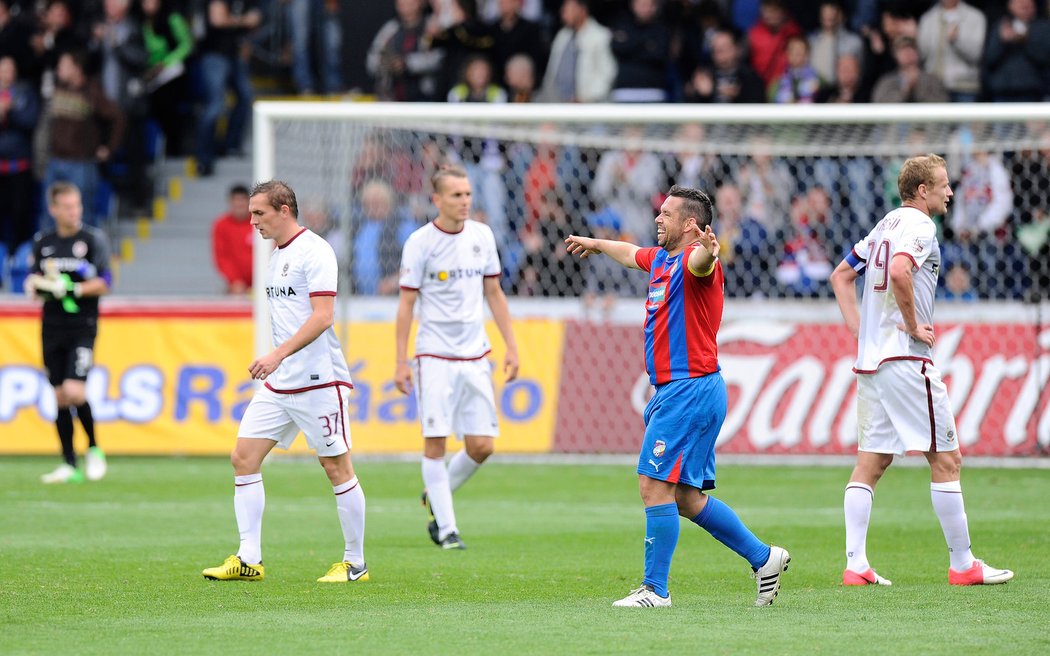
621,251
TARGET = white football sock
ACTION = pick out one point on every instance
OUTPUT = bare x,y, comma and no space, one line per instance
249,500
350,502
460,468
857,504
948,504
435,478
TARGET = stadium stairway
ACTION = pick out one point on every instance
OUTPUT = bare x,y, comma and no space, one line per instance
170,254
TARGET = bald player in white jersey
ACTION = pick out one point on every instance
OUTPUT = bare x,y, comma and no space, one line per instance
452,268
902,404
306,383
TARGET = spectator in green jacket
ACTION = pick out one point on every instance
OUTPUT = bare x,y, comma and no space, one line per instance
169,43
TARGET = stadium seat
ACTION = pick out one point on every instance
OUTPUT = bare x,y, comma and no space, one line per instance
5,270
17,267
105,201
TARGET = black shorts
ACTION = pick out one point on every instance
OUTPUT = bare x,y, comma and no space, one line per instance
68,355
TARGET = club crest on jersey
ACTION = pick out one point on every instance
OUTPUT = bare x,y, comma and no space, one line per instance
951,435
284,271
477,250
79,249
659,448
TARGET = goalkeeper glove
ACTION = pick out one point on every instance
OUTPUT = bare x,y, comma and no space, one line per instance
29,285
56,287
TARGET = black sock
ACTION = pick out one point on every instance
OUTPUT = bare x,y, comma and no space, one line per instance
64,423
87,421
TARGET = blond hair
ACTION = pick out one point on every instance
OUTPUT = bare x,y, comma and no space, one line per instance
60,188
446,171
917,171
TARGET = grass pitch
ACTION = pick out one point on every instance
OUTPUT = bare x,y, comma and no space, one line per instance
114,566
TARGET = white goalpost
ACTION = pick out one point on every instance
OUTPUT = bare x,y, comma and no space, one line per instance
793,185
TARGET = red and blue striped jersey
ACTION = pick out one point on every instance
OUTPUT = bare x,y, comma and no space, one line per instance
682,316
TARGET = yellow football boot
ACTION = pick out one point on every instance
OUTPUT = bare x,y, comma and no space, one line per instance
343,572
234,569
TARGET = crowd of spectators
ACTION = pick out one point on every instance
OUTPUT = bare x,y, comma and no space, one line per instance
94,92
784,221
87,88
725,51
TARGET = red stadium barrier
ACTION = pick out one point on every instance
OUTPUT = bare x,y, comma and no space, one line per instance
791,388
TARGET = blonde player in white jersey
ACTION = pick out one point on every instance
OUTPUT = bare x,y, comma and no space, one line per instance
451,267
902,404
305,386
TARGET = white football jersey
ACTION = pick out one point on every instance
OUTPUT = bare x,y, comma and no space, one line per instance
449,270
302,268
904,231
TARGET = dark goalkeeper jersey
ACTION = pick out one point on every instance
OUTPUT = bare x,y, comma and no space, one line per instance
83,256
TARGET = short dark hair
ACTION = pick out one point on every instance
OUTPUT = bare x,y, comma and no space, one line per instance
729,31
695,203
78,57
278,193
905,42
239,190
474,59
898,9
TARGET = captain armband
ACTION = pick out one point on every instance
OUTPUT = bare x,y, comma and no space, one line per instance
855,263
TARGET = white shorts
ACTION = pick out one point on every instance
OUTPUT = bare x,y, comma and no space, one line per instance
903,407
455,396
320,414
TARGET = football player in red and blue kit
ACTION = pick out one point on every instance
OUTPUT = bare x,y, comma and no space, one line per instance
676,464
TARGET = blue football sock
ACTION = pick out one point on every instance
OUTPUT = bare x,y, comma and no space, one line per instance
661,538
721,522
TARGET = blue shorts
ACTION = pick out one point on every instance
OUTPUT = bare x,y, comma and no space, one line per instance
682,422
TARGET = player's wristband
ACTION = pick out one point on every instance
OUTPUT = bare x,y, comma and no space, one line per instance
703,274
78,289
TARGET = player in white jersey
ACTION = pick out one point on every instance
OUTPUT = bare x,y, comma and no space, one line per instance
451,266
902,404
305,385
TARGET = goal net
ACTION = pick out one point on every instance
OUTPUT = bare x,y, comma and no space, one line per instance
794,187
